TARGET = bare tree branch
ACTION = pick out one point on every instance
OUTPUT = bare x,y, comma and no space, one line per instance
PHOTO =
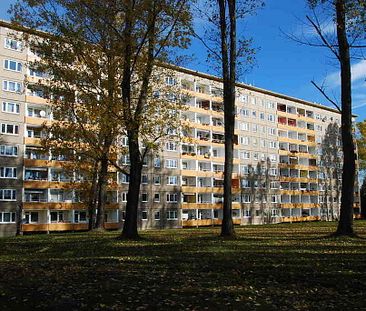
321,90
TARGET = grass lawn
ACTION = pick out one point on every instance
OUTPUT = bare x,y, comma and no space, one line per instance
277,267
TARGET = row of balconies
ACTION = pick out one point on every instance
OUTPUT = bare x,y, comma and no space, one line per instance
299,112
300,124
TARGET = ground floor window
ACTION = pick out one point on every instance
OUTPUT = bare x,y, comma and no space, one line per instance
157,215
57,216
31,217
79,216
7,217
172,215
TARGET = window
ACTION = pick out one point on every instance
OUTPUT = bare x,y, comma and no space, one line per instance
125,179
273,157
8,172
125,159
275,213
254,114
7,217
255,156
12,86
36,93
244,140
263,143
172,180
244,169
34,73
244,126
156,197
271,118
12,65
170,81
262,116
273,171
245,183
247,213
243,98
36,112
244,112
157,162
8,151
10,107
57,216
245,155
157,215
144,197
171,146
31,217
7,194
171,163
172,197
12,44
144,179
124,197
270,105
271,131
245,198
254,128
272,144
273,185
79,216
10,129
172,215
144,215
156,180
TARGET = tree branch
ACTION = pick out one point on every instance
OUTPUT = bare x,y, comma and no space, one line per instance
326,96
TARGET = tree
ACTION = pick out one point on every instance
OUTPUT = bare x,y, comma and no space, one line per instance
104,59
361,147
363,198
361,144
331,166
349,19
221,36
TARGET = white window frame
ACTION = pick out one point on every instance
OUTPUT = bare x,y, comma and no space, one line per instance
172,180
11,217
157,197
171,163
144,200
5,107
172,215
4,148
17,86
4,169
4,126
8,44
172,197
13,195
18,65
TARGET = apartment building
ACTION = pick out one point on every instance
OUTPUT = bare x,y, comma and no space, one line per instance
277,175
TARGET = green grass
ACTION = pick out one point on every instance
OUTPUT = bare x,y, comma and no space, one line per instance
277,267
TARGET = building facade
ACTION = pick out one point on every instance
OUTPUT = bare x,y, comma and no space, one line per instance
278,174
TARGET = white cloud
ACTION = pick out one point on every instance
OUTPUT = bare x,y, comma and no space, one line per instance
358,71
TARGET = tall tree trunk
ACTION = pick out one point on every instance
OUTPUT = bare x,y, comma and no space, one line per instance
130,226
228,73
102,193
93,194
18,218
345,224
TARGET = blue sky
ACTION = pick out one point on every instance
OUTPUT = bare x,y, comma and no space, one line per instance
282,65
